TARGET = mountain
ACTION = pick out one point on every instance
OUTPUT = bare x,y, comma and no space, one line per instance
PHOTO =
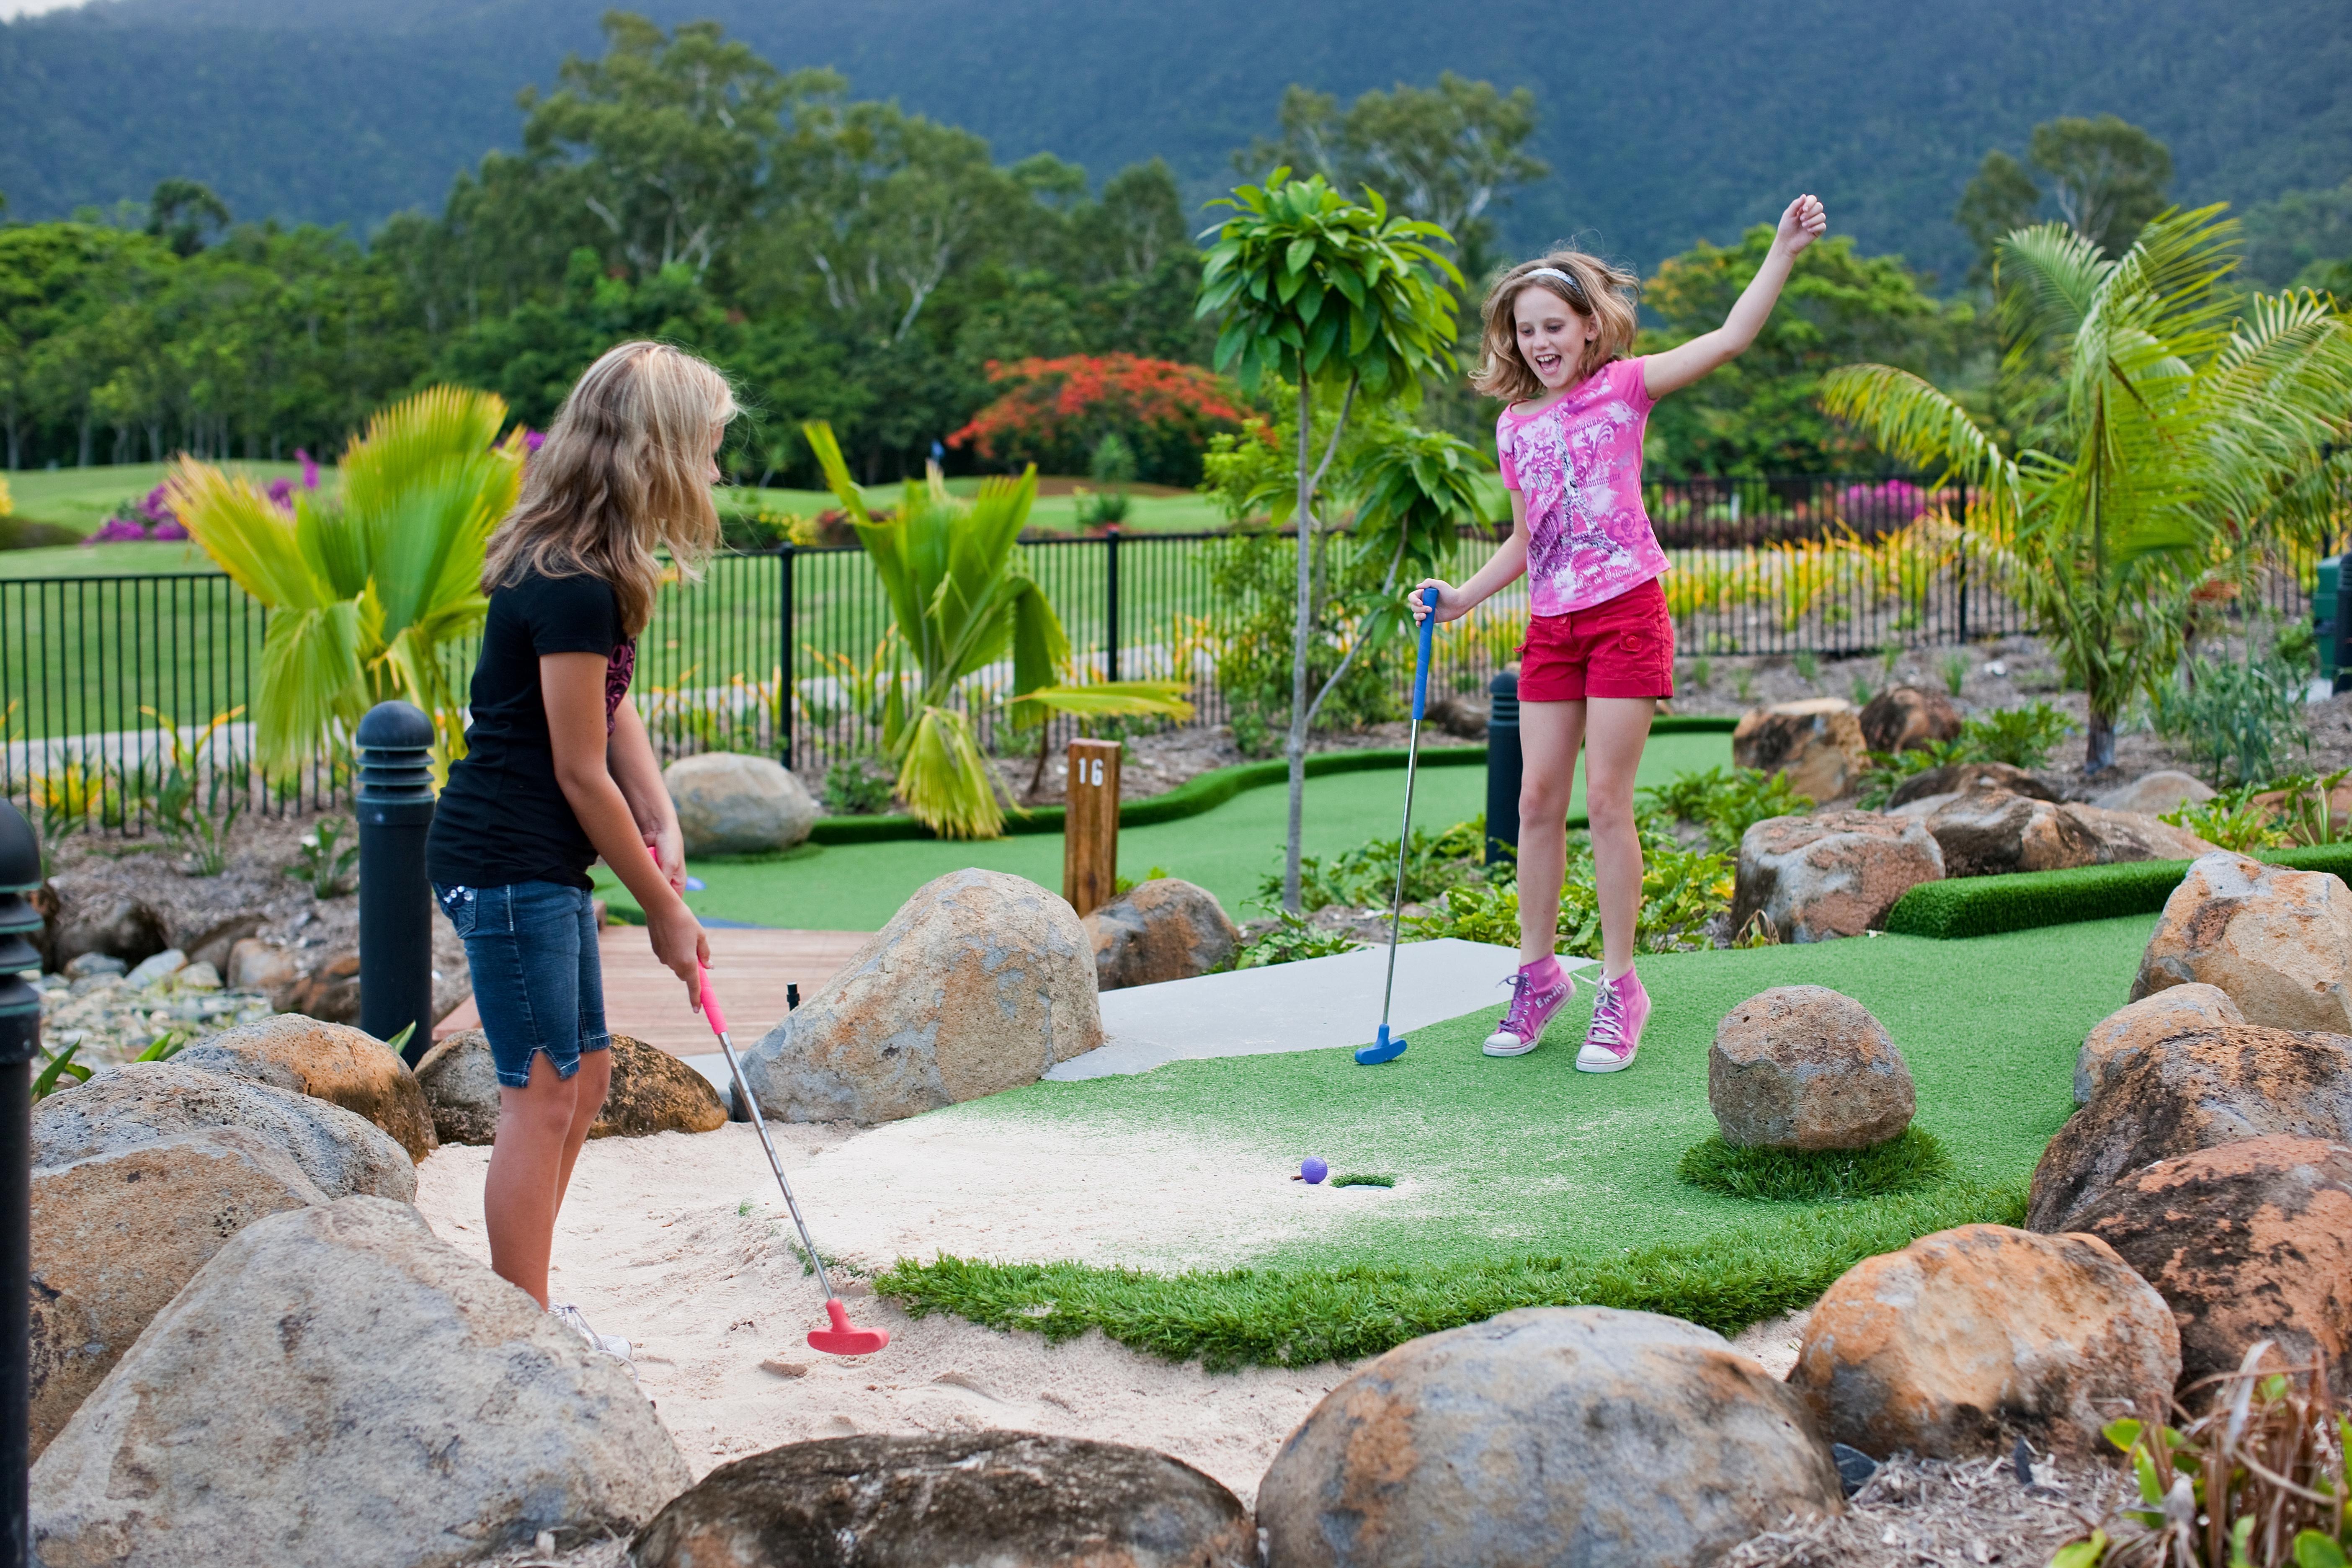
1664,122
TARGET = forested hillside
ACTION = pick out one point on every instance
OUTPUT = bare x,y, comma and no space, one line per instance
1661,123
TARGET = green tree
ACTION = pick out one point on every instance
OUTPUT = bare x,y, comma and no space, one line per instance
185,215
1331,294
1444,155
2108,177
2000,199
2297,239
2172,433
1760,413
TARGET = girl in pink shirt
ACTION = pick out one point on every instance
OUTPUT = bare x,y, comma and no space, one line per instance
1600,650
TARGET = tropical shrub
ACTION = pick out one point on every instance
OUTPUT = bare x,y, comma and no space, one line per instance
1683,893
2236,717
1055,415
1727,802
366,587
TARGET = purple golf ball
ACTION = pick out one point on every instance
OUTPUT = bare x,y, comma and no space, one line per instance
1313,1170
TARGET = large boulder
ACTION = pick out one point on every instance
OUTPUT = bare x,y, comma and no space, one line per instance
147,1102
2125,835
340,1385
1969,1338
2155,794
652,1091
732,804
1801,1067
2278,941
116,1236
2193,1092
2123,1035
1551,1435
1816,742
980,983
2250,1241
1007,1500
1817,878
332,1062
1988,832
1908,718
1165,929
1959,778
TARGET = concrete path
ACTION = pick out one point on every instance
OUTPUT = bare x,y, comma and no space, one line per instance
1310,1005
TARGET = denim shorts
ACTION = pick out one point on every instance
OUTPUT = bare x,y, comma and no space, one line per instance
531,947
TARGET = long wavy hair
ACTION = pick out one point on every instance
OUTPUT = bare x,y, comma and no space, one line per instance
1594,289
624,471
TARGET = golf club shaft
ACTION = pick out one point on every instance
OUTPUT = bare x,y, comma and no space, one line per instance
760,1123
1405,847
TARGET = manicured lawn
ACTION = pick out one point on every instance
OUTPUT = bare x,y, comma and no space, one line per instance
1523,1182
81,499
1228,850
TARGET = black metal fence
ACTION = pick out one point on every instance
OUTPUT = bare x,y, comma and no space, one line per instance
107,683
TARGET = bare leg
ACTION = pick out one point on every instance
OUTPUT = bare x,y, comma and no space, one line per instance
590,1083
1550,734
1616,730
530,1159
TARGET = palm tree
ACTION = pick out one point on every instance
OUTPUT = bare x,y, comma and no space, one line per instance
366,587
2164,422
960,603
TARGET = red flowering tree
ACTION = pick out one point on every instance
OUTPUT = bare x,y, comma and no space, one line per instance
1052,412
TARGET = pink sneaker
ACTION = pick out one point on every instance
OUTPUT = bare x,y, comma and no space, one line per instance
1618,1015
1533,1001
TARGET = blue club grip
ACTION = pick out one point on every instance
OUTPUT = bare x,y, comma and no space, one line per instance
1421,665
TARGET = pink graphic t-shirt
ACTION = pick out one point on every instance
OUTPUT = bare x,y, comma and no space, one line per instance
1579,463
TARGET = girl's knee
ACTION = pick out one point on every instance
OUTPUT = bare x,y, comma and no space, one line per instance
1542,801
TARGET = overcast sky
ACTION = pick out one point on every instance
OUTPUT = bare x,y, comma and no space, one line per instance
26,7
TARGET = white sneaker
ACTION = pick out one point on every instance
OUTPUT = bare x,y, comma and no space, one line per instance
613,1345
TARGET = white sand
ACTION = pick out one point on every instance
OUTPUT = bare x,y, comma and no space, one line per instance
680,1243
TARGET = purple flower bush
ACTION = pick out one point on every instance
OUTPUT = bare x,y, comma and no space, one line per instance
1889,502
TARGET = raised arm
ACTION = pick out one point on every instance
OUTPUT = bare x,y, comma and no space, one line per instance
1678,366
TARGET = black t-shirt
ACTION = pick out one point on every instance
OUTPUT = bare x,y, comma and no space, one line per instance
503,818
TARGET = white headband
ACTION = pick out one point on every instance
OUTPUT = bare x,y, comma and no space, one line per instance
1556,272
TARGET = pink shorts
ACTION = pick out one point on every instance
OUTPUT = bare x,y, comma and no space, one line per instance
1623,646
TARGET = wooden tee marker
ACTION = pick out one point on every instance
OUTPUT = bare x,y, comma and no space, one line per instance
1091,826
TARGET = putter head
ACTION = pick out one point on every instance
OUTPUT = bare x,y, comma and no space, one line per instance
846,1338
1384,1049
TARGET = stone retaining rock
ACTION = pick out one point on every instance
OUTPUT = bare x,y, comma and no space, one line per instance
1908,718
1818,877
652,1091
1801,1067
116,1236
732,804
1959,778
2188,1092
338,1385
1545,1434
2158,793
1005,1499
980,983
1165,929
2128,836
148,1102
1989,832
2127,1032
1817,743
326,1061
2278,941
2248,1241
1969,1338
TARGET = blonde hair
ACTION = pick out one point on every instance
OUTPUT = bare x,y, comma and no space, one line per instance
620,472
1593,290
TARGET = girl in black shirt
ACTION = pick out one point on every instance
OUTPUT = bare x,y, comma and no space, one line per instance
558,770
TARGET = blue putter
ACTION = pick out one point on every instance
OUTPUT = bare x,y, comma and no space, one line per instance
1385,1047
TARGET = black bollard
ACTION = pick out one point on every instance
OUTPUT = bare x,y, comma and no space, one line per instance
1502,765
2343,681
20,1040
395,812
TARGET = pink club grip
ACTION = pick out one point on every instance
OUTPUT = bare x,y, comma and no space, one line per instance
711,1012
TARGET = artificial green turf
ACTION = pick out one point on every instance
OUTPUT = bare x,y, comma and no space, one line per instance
1981,906
1522,1182
1912,1160
1228,850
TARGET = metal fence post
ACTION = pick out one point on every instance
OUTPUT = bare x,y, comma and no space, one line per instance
1110,603
20,1039
784,688
394,803
1963,564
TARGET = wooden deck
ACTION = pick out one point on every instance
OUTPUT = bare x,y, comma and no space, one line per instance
749,970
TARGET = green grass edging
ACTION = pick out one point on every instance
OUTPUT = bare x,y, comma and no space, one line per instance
1963,907
1205,792
1299,1316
